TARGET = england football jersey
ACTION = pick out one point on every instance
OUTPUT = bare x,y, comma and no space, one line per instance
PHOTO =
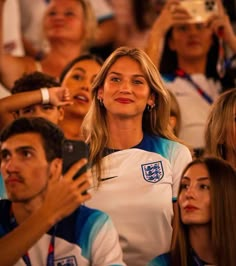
86,237
137,189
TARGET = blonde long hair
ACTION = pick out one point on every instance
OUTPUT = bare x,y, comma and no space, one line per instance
154,122
220,133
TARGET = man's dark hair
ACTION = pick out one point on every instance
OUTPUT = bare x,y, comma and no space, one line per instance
52,136
34,81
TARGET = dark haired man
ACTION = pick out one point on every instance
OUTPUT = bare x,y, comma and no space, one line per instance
43,222
34,95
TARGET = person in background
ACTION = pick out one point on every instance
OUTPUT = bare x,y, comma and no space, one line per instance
77,77
186,50
28,99
206,233
220,132
43,222
70,28
32,13
75,90
34,95
134,153
175,115
134,19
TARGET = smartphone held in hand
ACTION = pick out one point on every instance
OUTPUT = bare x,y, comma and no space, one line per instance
200,10
73,151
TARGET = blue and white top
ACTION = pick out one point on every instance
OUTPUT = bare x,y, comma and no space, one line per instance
3,194
86,237
137,189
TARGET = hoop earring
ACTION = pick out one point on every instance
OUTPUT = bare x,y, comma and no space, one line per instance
150,107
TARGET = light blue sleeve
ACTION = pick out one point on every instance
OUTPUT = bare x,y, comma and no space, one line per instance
2,188
98,238
162,260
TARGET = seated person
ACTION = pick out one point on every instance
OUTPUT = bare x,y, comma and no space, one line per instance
78,77
186,50
220,132
44,211
30,99
205,234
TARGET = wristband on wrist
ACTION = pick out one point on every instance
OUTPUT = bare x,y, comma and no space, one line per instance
45,95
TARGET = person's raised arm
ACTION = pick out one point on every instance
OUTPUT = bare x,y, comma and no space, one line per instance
64,195
11,67
58,96
171,14
222,22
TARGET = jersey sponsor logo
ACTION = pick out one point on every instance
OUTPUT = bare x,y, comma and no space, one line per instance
153,172
66,261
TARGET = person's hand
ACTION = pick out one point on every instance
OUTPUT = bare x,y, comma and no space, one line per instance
221,26
64,194
171,14
59,96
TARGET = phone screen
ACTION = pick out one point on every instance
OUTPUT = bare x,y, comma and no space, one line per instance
73,151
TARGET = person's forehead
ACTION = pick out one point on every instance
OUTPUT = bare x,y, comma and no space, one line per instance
196,172
28,139
37,105
125,65
64,4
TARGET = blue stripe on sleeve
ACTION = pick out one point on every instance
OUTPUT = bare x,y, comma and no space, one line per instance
90,229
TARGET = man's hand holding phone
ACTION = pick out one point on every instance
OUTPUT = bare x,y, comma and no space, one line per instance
65,194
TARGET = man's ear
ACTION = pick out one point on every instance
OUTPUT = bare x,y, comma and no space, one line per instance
56,166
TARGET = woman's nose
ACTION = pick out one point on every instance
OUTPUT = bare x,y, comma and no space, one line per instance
125,86
190,192
86,85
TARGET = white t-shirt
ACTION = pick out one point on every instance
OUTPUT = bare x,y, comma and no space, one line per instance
137,190
193,107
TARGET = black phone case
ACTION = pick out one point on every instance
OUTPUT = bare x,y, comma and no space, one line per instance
73,151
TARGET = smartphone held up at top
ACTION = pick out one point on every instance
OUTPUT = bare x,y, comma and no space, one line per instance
200,10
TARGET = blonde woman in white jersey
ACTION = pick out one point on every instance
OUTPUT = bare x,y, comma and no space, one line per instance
137,159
